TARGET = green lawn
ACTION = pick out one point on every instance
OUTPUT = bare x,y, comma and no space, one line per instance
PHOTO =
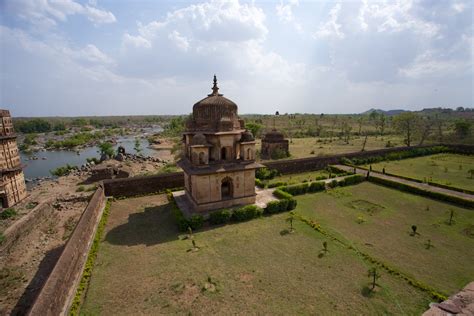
300,177
325,146
385,234
449,169
247,268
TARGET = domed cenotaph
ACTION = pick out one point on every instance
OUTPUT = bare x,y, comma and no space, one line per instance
219,156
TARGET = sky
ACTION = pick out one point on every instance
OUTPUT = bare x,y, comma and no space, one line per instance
119,57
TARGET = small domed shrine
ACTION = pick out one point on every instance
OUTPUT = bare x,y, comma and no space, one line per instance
274,145
219,155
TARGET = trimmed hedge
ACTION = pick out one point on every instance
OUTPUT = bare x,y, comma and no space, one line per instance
195,221
317,186
410,153
276,184
220,217
282,194
296,189
246,213
419,191
350,180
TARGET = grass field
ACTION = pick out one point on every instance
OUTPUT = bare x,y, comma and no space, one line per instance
385,234
300,177
449,169
316,146
248,268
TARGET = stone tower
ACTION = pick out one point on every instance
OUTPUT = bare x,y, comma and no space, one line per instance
219,155
12,182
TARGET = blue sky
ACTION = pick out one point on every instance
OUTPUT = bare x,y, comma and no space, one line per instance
117,57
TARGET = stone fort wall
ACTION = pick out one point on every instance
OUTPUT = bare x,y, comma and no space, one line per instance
58,291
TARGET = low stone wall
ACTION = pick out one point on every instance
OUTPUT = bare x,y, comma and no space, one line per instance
318,163
143,185
58,291
25,224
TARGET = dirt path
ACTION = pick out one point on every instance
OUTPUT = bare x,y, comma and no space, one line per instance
423,186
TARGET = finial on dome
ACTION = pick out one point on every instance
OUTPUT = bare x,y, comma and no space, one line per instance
215,89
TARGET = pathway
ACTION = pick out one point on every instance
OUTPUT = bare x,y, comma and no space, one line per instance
423,186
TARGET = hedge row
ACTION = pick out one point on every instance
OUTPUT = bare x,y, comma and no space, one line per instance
89,266
310,187
415,190
409,153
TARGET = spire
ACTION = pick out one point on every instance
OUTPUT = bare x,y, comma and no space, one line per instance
215,89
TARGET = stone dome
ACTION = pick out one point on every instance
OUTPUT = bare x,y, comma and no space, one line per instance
247,136
199,139
274,135
215,108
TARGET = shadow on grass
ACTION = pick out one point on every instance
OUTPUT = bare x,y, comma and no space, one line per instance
366,292
155,225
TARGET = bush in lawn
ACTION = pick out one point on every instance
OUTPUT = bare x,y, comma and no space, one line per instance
350,180
317,186
296,189
196,221
247,212
266,174
282,194
220,217
276,184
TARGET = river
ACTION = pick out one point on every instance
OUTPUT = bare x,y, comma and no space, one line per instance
49,160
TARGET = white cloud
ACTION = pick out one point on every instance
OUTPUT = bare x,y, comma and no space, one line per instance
46,13
99,16
135,41
394,16
284,11
180,41
331,28
459,7
429,65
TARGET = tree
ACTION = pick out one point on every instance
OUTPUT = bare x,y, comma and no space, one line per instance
290,220
381,123
106,148
463,128
373,273
346,131
254,128
406,123
425,128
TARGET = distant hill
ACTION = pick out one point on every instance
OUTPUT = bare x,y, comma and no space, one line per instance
388,113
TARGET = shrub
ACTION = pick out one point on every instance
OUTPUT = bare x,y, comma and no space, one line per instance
8,213
195,222
350,180
80,188
266,173
277,206
282,194
259,183
296,189
247,212
62,171
220,217
276,184
333,184
317,186
291,204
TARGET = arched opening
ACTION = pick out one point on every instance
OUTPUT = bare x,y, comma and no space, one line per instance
223,153
249,153
202,159
226,189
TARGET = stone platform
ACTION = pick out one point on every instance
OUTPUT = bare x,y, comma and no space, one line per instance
263,196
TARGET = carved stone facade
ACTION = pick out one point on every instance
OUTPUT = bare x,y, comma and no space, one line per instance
274,146
12,180
219,156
